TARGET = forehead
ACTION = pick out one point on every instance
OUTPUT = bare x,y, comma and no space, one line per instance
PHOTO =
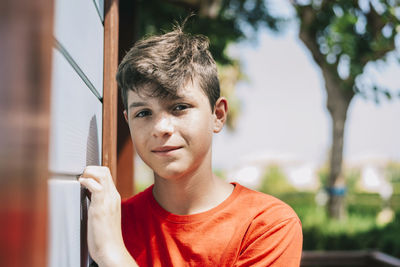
146,93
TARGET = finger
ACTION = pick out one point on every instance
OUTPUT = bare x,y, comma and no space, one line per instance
93,173
92,185
100,173
103,175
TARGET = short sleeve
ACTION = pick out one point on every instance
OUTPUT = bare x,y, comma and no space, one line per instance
279,244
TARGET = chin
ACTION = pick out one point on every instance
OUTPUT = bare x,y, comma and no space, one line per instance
175,170
172,172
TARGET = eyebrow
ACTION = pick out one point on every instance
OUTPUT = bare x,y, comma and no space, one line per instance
142,104
137,104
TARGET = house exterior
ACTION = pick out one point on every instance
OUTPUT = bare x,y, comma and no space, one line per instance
58,113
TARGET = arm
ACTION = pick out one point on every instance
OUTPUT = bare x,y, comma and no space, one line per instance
105,242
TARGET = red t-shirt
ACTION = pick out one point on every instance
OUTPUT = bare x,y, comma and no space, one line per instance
247,229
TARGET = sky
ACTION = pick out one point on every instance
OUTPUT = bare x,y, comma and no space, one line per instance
284,115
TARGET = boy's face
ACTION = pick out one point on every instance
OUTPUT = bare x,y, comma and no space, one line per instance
174,136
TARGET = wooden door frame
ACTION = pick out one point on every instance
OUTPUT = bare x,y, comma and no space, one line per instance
116,146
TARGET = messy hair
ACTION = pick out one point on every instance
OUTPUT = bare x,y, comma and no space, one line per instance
168,62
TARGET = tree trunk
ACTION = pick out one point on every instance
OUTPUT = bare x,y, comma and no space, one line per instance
336,181
338,102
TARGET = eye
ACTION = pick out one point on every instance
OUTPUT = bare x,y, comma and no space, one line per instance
143,113
180,107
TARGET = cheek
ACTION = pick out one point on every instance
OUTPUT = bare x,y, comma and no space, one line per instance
139,147
137,138
199,129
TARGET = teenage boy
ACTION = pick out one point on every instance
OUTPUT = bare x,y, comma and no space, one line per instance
189,217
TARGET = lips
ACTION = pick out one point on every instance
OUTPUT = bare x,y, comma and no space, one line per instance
165,149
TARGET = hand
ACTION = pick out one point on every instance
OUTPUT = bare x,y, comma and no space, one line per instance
104,238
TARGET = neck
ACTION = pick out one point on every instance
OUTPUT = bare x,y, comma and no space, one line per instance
192,193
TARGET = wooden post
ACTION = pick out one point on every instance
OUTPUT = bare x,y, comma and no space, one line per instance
110,92
118,158
25,52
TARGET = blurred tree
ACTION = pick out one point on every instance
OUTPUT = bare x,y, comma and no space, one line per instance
343,37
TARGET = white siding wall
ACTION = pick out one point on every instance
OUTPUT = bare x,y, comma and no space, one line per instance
65,224
76,123
79,29
76,120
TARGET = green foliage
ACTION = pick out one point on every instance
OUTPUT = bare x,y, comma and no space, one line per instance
351,33
364,203
352,177
358,231
323,174
301,202
355,233
360,202
394,202
352,224
226,27
158,20
274,182
393,176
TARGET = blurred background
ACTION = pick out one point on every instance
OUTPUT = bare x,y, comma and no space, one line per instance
314,116
314,98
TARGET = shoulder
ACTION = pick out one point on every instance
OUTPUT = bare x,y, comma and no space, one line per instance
263,207
273,233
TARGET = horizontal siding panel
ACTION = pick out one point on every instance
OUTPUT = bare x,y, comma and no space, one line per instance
78,27
64,223
76,121
100,8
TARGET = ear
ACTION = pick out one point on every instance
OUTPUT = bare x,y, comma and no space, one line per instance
126,116
220,114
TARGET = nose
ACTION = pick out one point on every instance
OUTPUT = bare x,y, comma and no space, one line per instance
163,126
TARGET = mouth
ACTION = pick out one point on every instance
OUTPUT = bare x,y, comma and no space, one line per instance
164,150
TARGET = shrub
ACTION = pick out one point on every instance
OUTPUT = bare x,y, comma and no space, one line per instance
275,182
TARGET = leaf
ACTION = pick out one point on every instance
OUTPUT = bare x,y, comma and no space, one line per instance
387,94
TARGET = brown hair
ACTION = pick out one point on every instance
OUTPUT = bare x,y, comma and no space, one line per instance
169,61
